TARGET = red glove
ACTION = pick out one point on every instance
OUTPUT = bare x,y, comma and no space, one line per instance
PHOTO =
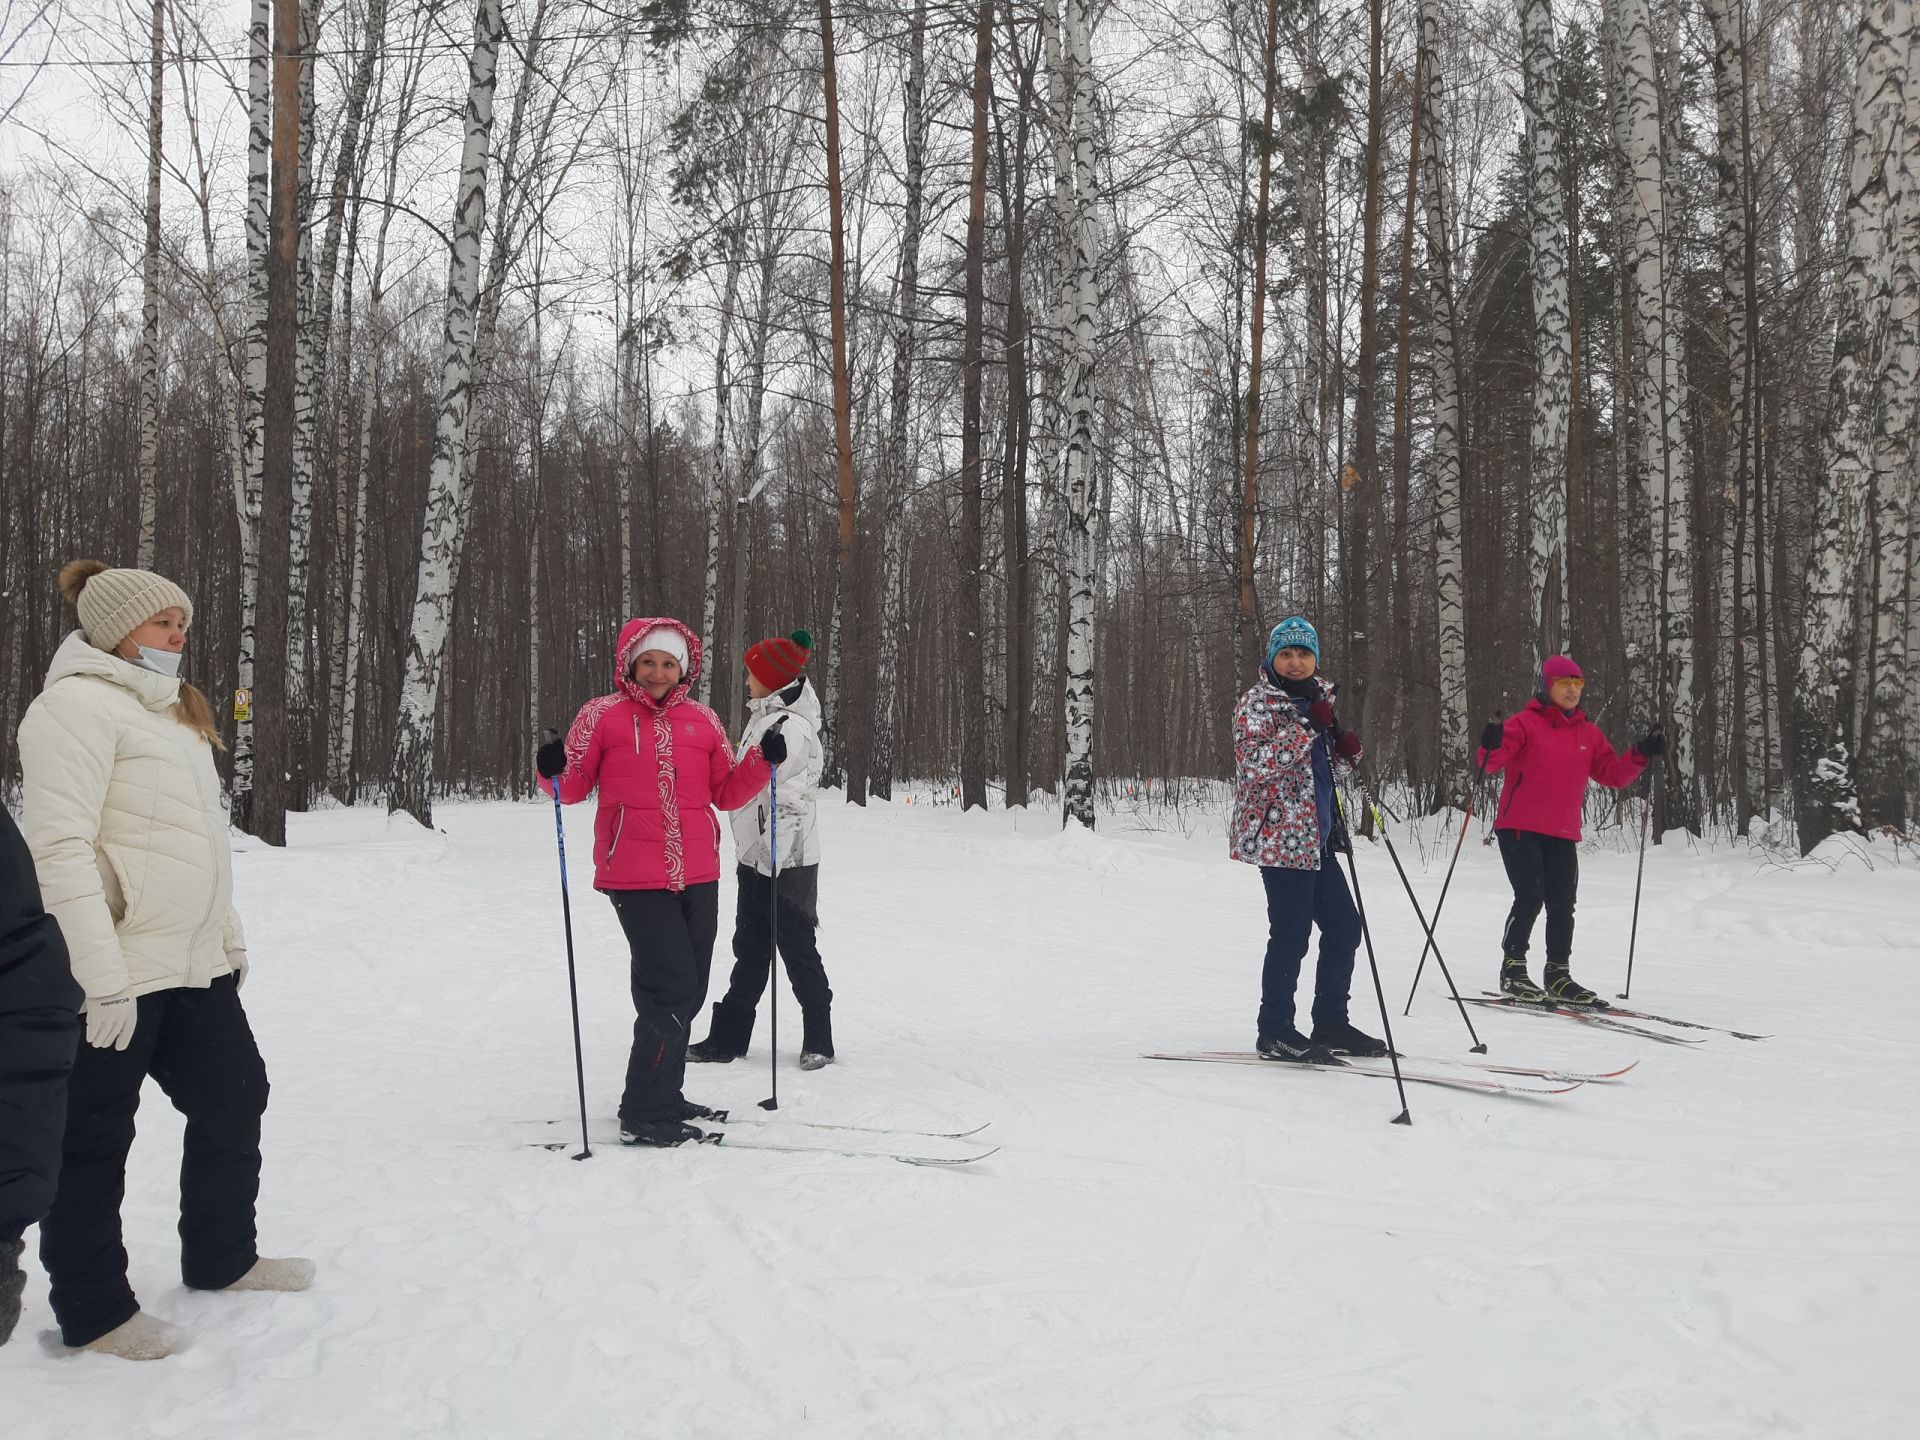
1320,714
1347,745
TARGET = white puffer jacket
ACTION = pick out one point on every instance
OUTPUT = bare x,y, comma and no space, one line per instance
799,782
122,811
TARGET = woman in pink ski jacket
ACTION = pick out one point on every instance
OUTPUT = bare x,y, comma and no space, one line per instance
1549,751
661,763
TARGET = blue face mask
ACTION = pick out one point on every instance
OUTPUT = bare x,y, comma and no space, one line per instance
161,662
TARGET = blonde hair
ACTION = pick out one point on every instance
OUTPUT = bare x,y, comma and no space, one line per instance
194,710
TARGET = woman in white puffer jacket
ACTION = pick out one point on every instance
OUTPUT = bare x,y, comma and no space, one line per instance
122,811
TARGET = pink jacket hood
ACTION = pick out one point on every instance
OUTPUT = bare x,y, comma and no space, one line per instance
628,648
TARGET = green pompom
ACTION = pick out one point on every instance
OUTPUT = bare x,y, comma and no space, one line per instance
802,639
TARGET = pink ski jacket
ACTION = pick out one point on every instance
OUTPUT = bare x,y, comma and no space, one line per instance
660,767
1549,754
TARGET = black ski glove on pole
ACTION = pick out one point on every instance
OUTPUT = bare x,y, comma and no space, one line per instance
773,744
1495,732
1653,744
551,759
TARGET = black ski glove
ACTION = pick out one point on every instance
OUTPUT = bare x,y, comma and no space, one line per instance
551,759
1491,737
773,744
1653,744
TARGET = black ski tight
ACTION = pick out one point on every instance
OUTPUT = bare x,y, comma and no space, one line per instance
1543,870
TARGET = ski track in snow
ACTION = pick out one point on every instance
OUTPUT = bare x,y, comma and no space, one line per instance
1721,1246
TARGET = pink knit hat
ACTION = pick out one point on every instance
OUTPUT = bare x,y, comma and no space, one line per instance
1559,667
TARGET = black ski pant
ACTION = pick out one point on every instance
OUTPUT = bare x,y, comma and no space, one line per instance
753,939
1297,900
671,935
1543,870
199,1049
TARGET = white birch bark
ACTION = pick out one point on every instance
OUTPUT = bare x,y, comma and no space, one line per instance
411,780
253,427
1827,796
1660,395
1885,777
901,469
1434,180
300,519
149,364
717,476
1078,482
1552,332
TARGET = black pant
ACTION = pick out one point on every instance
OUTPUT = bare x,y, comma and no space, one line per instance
1297,900
198,1047
753,939
1543,870
671,936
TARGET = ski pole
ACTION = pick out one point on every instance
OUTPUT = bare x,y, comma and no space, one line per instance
772,1102
573,987
1633,929
1405,1117
1479,1046
1466,821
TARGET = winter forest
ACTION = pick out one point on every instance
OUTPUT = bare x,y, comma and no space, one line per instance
1035,355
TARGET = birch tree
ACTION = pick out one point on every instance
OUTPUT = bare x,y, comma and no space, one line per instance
973,720
1547,553
150,291
411,778
253,440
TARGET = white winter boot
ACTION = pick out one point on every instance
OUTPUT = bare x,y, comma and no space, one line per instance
144,1337
290,1273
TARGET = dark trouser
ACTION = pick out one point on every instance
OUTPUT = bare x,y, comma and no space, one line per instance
197,1046
753,939
1543,870
1297,900
671,936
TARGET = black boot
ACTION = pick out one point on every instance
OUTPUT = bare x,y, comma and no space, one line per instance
662,1133
816,1043
1293,1048
1563,989
727,1036
12,1283
694,1110
1341,1038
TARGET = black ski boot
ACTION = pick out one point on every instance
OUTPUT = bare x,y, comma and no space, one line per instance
1343,1039
816,1044
12,1283
727,1036
1563,989
693,1110
1515,985
661,1132
1292,1048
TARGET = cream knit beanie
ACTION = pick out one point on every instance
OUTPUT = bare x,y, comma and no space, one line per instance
114,603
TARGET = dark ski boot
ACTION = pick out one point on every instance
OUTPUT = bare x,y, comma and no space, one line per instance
694,1110
816,1043
1563,989
1292,1048
1515,985
663,1133
727,1036
1342,1039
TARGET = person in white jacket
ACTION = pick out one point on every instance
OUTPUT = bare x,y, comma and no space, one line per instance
121,809
781,696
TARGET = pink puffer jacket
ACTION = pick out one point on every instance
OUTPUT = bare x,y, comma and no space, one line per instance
660,767
1549,755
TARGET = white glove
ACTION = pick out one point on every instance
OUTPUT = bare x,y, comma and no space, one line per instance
110,1020
238,960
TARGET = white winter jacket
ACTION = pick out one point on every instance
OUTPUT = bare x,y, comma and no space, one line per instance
799,783
122,812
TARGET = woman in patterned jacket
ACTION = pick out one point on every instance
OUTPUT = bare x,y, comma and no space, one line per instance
1286,741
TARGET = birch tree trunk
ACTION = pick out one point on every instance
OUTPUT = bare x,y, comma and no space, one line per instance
901,467
1883,764
1078,482
253,445
1660,395
717,487
1827,794
973,726
411,779
299,707
846,593
1049,576
150,295
1446,414
1246,617
1552,333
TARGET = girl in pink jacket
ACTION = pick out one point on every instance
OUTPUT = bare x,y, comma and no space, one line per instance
661,763
1549,751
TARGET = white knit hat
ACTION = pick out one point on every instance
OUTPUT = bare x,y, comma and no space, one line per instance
112,604
667,640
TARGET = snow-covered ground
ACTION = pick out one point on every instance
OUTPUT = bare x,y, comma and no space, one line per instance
1722,1245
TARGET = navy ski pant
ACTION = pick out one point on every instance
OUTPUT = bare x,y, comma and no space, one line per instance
1544,870
1297,900
670,934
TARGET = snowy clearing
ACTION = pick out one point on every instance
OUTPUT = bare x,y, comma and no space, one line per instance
1723,1244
